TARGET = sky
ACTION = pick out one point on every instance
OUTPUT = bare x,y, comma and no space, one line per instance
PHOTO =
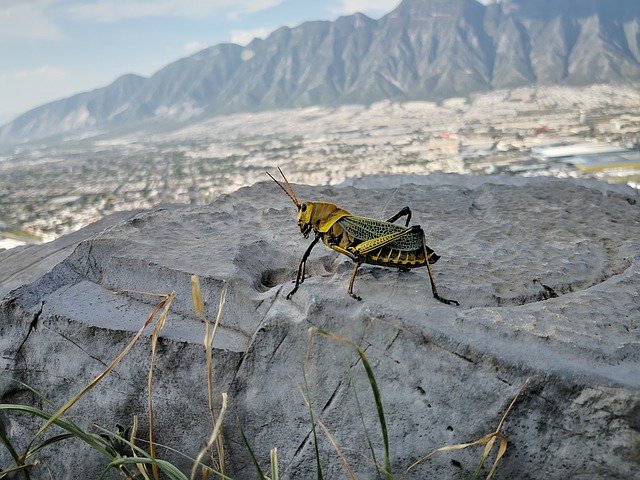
51,49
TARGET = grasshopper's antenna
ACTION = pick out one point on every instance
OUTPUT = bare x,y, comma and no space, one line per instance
291,195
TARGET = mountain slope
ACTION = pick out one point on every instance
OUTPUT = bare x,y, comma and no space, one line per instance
82,112
424,49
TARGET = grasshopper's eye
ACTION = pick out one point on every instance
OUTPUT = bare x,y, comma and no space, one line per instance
303,207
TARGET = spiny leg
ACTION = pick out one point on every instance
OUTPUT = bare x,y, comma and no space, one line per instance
433,282
405,211
302,267
353,277
303,263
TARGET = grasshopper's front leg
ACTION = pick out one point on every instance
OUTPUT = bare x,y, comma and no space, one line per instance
302,267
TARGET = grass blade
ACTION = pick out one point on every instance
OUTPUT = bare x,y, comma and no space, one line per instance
488,440
167,468
330,437
449,448
210,335
364,427
261,475
19,462
94,441
23,469
157,330
374,387
275,471
485,454
214,435
50,441
142,468
313,426
334,444
34,391
143,459
196,296
379,407
502,448
511,405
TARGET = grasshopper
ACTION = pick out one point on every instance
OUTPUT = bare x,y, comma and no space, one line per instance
363,240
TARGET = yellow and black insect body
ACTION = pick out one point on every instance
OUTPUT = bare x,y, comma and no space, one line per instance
364,240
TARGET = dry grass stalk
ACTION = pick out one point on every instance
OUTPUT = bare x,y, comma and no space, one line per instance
330,437
142,468
108,370
488,440
217,429
502,448
209,336
157,330
196,295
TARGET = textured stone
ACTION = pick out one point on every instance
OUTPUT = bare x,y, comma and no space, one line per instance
546,272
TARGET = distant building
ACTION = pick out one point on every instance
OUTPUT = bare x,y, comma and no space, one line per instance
597,162
589,156
557,152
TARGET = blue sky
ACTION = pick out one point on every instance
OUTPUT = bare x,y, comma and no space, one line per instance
51,49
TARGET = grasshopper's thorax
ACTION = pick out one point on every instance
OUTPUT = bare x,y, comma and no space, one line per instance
319,216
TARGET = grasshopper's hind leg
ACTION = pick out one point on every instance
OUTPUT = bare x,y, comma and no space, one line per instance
433,282
353,277
303,266
405,211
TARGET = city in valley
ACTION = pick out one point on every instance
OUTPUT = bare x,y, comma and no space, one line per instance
591,132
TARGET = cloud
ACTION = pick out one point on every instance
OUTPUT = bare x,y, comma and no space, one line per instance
366,6
243,37
116,10
27,20
193,47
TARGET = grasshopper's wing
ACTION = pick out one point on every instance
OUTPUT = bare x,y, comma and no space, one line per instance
379,242
378,233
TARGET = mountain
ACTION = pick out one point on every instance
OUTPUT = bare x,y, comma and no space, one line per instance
422,50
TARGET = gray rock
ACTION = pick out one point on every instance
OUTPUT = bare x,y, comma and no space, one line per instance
27,263
546,271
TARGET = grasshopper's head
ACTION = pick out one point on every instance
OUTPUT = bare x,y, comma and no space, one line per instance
318,216
306,217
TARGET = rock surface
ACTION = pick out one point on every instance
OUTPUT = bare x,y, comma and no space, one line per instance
547,273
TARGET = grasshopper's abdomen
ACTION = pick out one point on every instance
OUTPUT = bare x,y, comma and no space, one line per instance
404,253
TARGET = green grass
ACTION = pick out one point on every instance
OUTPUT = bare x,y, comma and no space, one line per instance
388,471
120,453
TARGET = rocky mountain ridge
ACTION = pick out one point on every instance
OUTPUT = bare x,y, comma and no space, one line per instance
422,50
